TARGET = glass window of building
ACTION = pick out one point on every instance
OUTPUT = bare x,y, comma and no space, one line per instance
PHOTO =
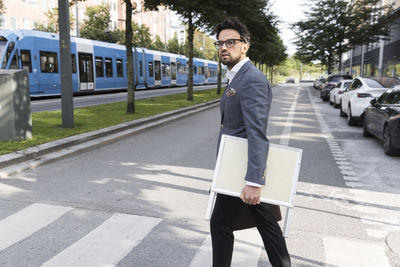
13,23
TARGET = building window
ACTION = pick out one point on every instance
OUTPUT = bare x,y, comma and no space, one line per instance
26,23
13,23
2,21
44,4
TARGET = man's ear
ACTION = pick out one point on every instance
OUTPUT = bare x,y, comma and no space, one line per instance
245,48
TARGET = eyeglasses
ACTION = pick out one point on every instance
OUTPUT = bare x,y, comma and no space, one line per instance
229,43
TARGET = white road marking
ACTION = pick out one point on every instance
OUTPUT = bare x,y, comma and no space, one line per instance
352,252
285,137
107,244
247,249
27,221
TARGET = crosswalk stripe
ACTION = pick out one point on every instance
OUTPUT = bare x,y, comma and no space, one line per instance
27,221
107,244
247,249
352,252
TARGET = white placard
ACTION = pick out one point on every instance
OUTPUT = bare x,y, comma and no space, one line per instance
283,166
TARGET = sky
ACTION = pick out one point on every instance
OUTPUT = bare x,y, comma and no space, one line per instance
288,12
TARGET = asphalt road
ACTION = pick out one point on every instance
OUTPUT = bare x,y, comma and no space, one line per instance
151,191
90,100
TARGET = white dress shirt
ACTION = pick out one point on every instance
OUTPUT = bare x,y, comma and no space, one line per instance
230,75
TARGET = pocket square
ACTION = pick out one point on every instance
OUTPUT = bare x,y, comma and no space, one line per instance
230,92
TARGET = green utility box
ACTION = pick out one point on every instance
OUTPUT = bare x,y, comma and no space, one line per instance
15,105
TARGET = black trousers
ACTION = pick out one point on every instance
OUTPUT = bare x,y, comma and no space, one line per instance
227,216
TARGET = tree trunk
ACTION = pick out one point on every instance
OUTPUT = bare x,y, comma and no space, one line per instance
219,76
130,107
190,46
272,74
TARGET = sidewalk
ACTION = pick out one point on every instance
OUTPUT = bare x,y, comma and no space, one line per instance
35,156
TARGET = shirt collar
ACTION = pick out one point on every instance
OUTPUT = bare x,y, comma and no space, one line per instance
232,73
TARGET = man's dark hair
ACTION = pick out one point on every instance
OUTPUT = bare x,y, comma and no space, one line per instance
234,24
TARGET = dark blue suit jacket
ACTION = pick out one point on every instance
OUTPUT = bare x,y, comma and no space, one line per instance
244,113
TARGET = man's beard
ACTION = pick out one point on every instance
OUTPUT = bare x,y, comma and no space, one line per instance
230,62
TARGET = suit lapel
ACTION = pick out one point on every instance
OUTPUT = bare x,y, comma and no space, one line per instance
238,77
233,84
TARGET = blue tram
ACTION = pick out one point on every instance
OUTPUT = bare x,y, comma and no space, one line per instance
96,66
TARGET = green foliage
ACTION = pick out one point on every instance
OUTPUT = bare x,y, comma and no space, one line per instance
141,36
96,25
47,125
52,21
333,27
158,44
174,46
2,7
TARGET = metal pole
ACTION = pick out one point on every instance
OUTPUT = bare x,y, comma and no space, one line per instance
67,107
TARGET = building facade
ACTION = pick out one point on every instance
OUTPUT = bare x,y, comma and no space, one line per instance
23,14
381,58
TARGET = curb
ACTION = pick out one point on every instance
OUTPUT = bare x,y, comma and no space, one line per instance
45,153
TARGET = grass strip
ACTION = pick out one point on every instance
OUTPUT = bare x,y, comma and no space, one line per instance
46,125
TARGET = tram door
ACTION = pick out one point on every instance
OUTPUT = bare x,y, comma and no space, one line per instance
86,80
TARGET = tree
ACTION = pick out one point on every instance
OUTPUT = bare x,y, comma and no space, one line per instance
130,107
173,45
96,26
333,27
2,7
52,21
158,44
190,12
141,36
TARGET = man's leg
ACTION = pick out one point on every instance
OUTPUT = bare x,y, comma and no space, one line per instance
271,234
226,215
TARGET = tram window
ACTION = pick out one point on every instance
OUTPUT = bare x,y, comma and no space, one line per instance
173,67
120,69
151,71
168,70
179,67
14,62
48,62
26,60
157,71
109,70
73,63
99,67
206,73
140,68
164,71
195,70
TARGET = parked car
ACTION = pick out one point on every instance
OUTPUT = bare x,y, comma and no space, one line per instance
336,93
290,80
382,119
359,94
330,83
318,82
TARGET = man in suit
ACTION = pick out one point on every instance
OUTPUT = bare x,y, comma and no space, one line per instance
244,113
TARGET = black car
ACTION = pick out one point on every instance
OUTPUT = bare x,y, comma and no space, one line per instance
331,82
382,119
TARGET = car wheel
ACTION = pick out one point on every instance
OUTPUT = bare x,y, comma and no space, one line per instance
342,114
330,102
350,119
387,143
365,130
